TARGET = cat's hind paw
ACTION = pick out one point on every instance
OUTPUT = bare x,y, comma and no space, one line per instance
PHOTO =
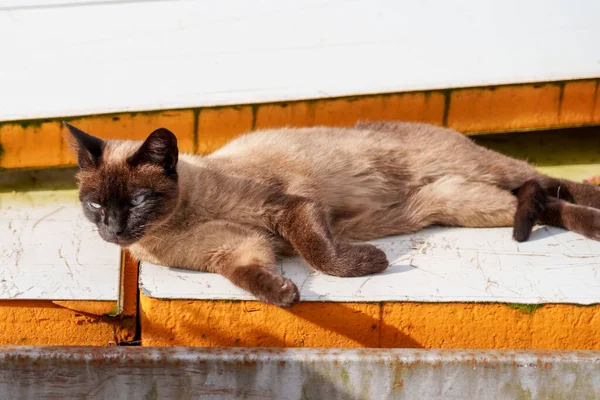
358,260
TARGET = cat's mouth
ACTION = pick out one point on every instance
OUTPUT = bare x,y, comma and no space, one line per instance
120,241
125,242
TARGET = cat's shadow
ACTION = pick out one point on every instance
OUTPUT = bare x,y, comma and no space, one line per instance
541,232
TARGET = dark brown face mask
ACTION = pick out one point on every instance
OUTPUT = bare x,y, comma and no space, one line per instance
124,197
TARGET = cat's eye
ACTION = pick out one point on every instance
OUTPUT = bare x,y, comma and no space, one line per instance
94,205
137,200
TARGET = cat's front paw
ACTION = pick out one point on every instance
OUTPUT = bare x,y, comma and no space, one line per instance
358,260
279,291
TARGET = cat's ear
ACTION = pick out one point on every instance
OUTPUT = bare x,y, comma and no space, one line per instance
160,148
89,148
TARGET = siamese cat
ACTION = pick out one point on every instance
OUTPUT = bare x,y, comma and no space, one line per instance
316,192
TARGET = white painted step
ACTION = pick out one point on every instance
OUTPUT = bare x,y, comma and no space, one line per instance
435,265
74,57
49,251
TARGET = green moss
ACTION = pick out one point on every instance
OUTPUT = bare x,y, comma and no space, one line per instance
567,146
526,308
30,123
115,311
516,391
345,377
152,394
37,122
28,180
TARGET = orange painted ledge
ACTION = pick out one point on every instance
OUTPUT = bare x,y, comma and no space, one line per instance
42,322
74,322
126,306
354,325
43,143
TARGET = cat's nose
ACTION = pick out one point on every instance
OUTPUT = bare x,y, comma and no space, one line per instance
114,227
115,230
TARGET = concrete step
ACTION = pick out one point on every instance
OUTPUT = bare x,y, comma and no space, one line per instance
445,288
211,71
59,282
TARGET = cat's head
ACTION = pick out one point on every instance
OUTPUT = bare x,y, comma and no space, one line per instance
126,187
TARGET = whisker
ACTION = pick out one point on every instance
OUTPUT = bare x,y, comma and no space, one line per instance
157,238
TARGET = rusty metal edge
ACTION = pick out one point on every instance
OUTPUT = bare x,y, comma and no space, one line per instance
166,355
295,373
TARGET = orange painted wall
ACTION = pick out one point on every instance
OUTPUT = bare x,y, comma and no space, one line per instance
28,144
402,324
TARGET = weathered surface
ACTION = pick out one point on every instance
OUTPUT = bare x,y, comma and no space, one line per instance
328,57
388,324
442,291
435,265
190,373
49,251
44,323
480,86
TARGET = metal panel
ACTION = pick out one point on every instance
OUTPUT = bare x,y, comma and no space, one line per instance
191,373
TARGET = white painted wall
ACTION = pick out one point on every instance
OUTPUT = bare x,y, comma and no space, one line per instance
62,58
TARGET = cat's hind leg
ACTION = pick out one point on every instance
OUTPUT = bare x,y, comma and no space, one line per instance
304,224
531,205
580,219
453,201
450,201
583,194
536,204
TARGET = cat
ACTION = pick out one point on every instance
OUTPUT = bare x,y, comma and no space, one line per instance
316,192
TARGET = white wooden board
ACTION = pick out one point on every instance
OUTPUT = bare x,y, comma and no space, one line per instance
435,265
49,251
63,58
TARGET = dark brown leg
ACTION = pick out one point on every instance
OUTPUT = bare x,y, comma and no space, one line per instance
583,194
580,219
304,224
531,204
561,203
